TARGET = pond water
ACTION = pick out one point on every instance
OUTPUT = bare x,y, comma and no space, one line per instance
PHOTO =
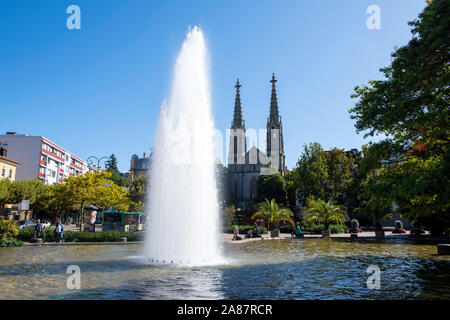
268,269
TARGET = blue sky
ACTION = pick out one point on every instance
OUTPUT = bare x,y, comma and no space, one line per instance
98,90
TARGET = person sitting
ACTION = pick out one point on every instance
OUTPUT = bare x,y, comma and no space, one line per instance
298,231
255,233
235,233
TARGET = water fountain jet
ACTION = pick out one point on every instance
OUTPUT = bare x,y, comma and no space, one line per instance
182,223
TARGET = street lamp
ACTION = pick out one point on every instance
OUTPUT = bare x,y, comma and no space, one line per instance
91,160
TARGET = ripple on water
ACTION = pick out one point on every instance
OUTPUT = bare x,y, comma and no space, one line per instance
285,269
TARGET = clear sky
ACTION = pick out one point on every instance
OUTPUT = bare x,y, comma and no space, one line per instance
98,90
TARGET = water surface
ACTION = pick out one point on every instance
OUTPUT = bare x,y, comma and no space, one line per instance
275,269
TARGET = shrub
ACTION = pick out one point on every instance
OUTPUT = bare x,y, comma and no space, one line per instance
10,242
317,228
338,228
354,223
25,234
106,236
398,224
8,229
48,235
287,229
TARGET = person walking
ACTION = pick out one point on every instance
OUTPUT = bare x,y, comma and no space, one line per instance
38,229
58,232
61,236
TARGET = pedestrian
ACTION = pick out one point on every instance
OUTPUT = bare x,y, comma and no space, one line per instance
61,236
38,229
58,231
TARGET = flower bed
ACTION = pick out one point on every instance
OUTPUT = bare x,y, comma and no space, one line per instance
417,231
398,230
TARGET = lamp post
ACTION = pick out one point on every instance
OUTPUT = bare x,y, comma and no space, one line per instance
91,160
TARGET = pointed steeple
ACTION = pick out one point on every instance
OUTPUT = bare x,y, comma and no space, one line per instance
238,122
274,117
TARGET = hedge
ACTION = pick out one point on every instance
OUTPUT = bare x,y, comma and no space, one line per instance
83,236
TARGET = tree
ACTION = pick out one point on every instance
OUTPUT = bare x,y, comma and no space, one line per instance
319,211
138,193
27,190
111,164
57,198
410,107
290,178
270,211
5,197
312,171
271,186
339,170
228,216
116,176
224,196
96,189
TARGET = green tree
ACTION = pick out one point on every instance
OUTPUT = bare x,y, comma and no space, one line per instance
410,107
290,178
223,185
5,196
339,170
111,164
116,176
271,186
311,172
57,198
96,189
270,211
228,216
319,211
27,190
138,193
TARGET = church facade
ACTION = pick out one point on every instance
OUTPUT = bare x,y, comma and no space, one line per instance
246,165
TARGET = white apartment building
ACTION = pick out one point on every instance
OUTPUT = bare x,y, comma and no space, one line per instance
41,158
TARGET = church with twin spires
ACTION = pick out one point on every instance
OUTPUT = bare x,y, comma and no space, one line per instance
245,166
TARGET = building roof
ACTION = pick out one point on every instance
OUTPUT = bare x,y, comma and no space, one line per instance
11,161
254,156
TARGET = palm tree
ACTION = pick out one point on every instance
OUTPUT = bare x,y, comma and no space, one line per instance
272,213
325,212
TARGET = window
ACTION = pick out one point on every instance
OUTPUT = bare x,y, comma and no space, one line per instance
10,173
3,171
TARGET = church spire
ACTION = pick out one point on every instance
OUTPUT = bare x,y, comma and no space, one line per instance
238,122
274,115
